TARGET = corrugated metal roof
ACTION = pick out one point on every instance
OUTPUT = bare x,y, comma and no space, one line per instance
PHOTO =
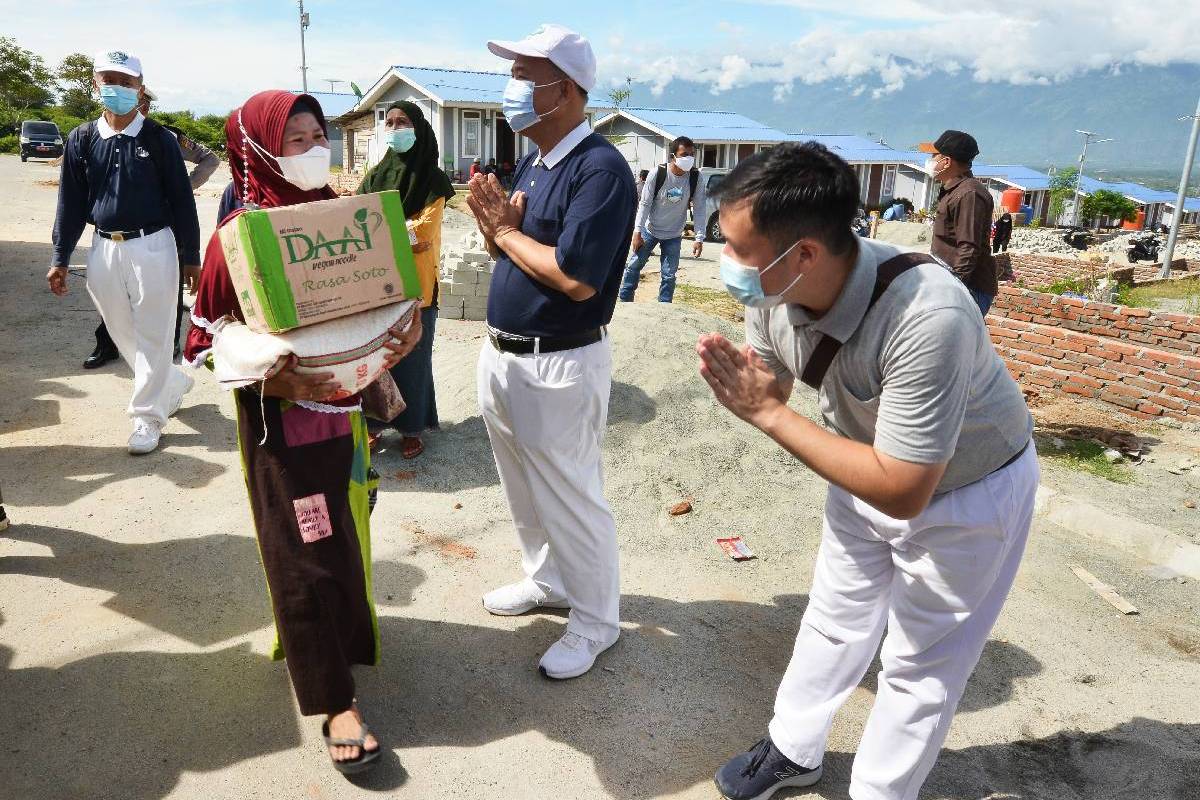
334,104
859,149
706,126
457,85
1021,176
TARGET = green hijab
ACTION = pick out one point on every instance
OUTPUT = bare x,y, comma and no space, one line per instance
415,174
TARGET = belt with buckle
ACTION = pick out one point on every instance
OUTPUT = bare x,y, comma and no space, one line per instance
125,236
526,345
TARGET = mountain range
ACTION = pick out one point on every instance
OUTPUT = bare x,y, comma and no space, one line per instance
1137,107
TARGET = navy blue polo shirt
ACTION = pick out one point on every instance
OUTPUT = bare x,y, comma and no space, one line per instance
583,207
114,181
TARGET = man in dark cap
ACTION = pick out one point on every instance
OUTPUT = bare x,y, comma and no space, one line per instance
964,216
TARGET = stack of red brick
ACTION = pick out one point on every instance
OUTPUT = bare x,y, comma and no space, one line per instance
1146,363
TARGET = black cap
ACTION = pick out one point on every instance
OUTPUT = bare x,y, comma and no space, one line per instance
958,145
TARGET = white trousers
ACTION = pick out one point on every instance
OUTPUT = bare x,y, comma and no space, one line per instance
135,286
546,415
937,582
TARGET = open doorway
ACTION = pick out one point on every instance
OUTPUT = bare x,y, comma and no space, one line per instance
506,147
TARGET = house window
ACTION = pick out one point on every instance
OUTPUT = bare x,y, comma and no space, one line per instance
472,134
708,155
889,181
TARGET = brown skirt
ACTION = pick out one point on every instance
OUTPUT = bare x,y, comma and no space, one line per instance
308,490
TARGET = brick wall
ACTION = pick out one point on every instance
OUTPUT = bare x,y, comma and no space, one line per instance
1146,364
1036,269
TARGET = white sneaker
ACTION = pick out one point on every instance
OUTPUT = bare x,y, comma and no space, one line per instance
144,438
517,598
571,656
177,398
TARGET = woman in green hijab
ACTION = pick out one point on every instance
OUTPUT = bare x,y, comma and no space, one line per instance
410,166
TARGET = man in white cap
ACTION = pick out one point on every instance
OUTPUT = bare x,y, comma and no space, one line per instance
125,175
546,370
205,163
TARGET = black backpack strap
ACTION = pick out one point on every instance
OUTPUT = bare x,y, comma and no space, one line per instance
693,179
660,177
827,348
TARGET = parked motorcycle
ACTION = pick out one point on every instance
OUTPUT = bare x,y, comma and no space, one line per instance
1078,238
1143,247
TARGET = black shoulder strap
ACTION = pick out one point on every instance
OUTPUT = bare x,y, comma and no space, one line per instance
693,178
660,177
151,137
827,348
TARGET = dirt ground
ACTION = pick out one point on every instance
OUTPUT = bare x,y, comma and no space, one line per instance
134,621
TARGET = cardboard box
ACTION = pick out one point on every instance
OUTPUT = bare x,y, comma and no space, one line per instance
300,265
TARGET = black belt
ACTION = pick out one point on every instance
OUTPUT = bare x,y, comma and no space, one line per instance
125,236
1012,460
525,345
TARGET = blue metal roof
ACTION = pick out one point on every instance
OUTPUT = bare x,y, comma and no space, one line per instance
707,126
1018,175
333,104
860,149
457,85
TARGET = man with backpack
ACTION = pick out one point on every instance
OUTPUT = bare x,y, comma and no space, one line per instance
205,163
125,175
661,215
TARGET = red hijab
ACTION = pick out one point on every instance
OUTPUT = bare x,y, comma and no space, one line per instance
257,178
262,118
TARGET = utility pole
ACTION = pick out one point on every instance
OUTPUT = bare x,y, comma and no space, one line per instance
303,57
1087,137
1180,198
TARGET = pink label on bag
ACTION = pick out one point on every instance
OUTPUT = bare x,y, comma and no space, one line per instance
312,515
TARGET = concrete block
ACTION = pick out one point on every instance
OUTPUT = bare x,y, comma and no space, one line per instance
475,258
445,288
467,276
481,290
475,314
449,308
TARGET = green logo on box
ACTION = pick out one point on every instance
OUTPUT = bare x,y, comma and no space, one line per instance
301,247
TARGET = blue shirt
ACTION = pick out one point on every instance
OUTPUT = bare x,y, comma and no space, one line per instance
118,185
582,204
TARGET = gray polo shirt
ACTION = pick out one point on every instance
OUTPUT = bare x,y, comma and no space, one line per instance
917,378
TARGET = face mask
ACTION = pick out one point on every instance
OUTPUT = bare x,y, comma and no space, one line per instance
518,103
402,139
685,163
931,166
745,283
308,170
118,99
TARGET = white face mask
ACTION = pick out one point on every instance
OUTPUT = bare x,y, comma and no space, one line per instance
931,166
685,163
306,171
309,170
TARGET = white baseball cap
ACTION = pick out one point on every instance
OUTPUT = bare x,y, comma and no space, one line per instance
151,95
565,48
117,61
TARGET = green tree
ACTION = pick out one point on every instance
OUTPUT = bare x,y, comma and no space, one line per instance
1107,203
1062,189
25,83
619,95
74,76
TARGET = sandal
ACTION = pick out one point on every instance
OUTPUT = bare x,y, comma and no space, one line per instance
411,447
366,758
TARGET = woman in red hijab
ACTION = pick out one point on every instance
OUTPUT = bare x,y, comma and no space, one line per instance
315,462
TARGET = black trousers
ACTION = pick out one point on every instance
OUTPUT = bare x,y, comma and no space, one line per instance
105,342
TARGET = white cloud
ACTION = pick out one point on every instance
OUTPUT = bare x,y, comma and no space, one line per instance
1013,41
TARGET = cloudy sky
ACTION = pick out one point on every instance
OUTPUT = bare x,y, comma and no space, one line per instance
209,55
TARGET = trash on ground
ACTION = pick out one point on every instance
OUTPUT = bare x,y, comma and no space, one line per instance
405,475
680,508
1105,591
735,548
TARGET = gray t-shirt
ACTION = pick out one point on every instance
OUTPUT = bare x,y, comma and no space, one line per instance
664,217
917,377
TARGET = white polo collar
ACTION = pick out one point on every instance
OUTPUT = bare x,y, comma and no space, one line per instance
565,146
132,129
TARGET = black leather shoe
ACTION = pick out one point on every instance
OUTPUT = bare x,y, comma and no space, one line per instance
99,357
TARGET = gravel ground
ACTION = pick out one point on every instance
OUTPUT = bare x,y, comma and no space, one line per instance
134,620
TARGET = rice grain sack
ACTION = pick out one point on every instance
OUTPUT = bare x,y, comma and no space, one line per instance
351,348
306,264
